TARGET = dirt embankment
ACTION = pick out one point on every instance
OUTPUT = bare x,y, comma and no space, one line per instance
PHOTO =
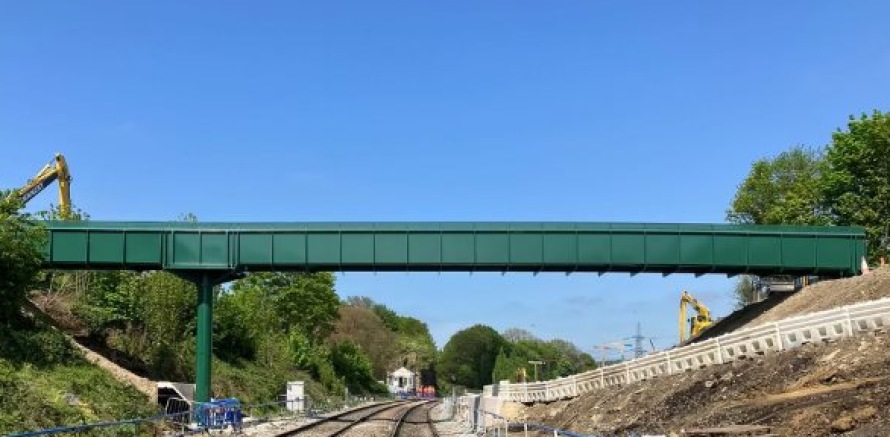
811,391
840,388
144,385
817,297
829,294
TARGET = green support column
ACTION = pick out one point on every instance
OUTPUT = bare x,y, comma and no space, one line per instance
205,338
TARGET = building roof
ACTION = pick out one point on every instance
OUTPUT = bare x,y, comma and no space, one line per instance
401,371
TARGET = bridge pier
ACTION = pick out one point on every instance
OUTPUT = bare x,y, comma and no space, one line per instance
205,280
204,354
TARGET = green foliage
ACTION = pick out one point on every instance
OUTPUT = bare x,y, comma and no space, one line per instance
848,184
303,301
352,365
781,190
301,350
745,291
253,381
506,367
414,348
362,327
45,382
469,356
323,371
27,343
237,326
388,316
109,300
567,359
560,358
20,242
857,178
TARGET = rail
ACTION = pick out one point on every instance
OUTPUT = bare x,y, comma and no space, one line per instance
404,417
847,321
341,417
191,418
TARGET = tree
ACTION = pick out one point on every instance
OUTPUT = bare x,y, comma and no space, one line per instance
361,326
416,348
389,317
857,178
504,368
470,356
567,359
516,334
781,190
235,333
351,363
20,258
746,291
106,300
786,189
361,301
168,314
303,301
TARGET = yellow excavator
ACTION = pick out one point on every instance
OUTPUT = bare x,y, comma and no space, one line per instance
697,324
521,375
55,170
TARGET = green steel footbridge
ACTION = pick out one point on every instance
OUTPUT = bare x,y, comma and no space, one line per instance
213,253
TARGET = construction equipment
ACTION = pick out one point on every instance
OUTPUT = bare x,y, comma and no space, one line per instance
55,170
521,375
697,324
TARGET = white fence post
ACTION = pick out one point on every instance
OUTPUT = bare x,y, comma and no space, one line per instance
667,354
719,351
849,320
779,343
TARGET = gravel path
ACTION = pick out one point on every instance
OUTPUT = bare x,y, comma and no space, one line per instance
441,415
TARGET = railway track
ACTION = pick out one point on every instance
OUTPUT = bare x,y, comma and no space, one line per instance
416,422
392,419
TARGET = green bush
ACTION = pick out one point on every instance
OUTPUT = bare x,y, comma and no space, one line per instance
45,382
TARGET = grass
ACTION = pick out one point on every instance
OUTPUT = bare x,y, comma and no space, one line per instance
44,382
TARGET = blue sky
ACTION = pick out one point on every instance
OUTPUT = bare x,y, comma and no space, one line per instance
460,110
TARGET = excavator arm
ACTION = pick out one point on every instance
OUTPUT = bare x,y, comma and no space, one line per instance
55,170
699,323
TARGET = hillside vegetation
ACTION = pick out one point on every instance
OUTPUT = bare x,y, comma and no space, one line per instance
44,381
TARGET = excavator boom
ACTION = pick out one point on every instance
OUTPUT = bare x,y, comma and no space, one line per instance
55,170
697,324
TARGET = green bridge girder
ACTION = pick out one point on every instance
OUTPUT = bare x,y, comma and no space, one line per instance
211,253
527,247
